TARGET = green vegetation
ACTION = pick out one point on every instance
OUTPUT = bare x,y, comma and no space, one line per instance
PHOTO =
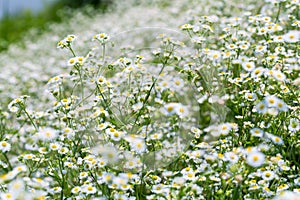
155,101
13,28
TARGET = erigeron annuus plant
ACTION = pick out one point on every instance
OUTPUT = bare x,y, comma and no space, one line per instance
103,109
214,119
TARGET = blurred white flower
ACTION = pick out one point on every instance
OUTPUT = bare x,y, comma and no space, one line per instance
255,159
291,36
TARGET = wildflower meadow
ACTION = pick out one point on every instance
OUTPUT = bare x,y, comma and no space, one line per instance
159,100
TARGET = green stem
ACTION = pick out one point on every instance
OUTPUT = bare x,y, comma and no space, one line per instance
60,162
104,99
7,160
81,81
103,52
72,51
85,98
148,95
278,13
30,119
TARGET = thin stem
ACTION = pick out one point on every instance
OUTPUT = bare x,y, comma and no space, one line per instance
72,51
278,13
81,81
85,98
7,160
60,162
148,95
30,119
103,52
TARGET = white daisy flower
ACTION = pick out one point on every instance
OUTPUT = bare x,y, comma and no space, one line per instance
294,125
248,66
291,36
231,157
257,132
54,146
89,189
46,134
268,175
271,100
4,146
255,159
76,190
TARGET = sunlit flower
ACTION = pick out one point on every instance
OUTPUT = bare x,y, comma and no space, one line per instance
100,111
260,49
278,75
68,133
43,150
257,72
55,190
83,175
103,126
120,182
169,109
54,146
107,151
271,101
66,42
101,37
181,110
159,188
282,187
255,159
191,176
250,96
29,156
120,196
89,189
231,157
132,163
7,196
268,175
196,131
254,187
291,36
14,105
46,134
248,66
178,83
294,125
76,190
72,61
256,132
63,150
275,139
4,146
156,136
76,60
296,23
224,128
261,107
281,105
107,177
101,80
287,195
137,144
114,134
278,38
262,31
215,55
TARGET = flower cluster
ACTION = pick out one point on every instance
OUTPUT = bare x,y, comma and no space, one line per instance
209,110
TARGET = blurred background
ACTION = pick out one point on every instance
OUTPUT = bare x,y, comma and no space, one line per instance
19,16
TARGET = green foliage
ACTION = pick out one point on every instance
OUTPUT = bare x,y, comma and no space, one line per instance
13,28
